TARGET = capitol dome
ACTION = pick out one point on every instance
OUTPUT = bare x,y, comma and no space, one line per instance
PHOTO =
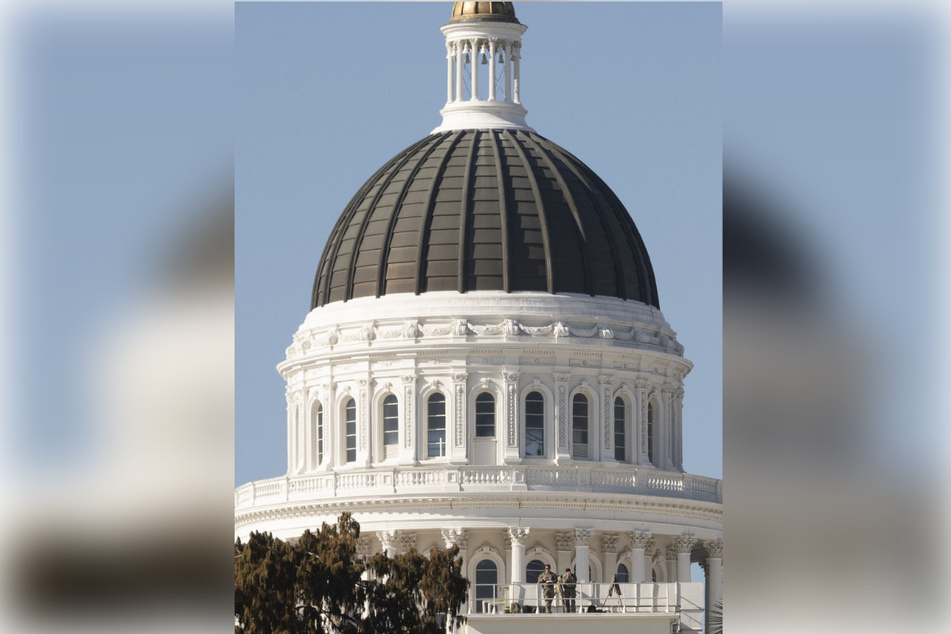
484,210
485,364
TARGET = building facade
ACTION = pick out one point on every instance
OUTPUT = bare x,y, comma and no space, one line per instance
485,364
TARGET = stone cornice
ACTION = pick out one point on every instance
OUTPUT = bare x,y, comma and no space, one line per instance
667,508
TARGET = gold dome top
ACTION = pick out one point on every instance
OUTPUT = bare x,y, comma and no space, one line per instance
495,11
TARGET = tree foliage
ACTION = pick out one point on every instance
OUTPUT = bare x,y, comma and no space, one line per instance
317,585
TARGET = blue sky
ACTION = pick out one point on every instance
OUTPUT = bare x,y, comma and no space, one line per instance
328,92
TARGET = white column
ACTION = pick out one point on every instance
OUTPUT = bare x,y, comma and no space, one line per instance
671,563
714,571
507,48
582,535
511,453
388,540
518,57
460,58
449,78
640,426
684,545
609,552
457,431
474,60
606,423
562,430
456,537
407,450
491,70
679,429
668,425
640,541
517,562
565,543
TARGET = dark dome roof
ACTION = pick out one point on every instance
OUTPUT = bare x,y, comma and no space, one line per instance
478,210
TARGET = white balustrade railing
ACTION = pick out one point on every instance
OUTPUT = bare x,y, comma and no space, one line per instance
583,478
633,598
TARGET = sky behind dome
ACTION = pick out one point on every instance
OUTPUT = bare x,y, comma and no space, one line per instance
328,92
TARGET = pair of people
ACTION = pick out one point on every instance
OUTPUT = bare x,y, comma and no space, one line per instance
565,585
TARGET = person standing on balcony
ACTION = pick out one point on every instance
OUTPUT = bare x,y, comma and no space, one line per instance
547,580
568,581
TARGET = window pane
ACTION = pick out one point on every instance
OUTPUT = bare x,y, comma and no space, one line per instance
391,424
350,416
622,575
619,437
320,433
436,426
534,568
579,426
487,578
485,415
650,432
534,424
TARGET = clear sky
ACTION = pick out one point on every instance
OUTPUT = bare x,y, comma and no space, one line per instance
328,92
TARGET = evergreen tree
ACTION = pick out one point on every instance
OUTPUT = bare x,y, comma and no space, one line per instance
317,585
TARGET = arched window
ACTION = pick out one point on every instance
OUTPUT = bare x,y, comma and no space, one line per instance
620,439
350,418
535,424
485,416
579,426
623,576
319,425
486,582
650,432
436,426
391,427
534,568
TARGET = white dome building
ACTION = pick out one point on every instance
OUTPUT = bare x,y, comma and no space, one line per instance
486,364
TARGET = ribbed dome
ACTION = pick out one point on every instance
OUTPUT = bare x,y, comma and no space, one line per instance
500,11
473,210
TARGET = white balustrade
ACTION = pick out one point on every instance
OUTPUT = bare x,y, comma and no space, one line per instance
538,477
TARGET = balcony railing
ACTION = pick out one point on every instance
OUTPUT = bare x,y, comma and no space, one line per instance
446,479
633,598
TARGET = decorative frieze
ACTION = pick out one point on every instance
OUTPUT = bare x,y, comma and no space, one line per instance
412,330
565,540
365,546
407,541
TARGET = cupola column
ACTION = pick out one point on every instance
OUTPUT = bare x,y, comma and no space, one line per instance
507,48
477,35
474,64
460,47
517,53
450,60
491,70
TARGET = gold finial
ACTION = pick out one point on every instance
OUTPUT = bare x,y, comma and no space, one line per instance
494,11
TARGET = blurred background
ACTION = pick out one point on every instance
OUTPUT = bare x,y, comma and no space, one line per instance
117,306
